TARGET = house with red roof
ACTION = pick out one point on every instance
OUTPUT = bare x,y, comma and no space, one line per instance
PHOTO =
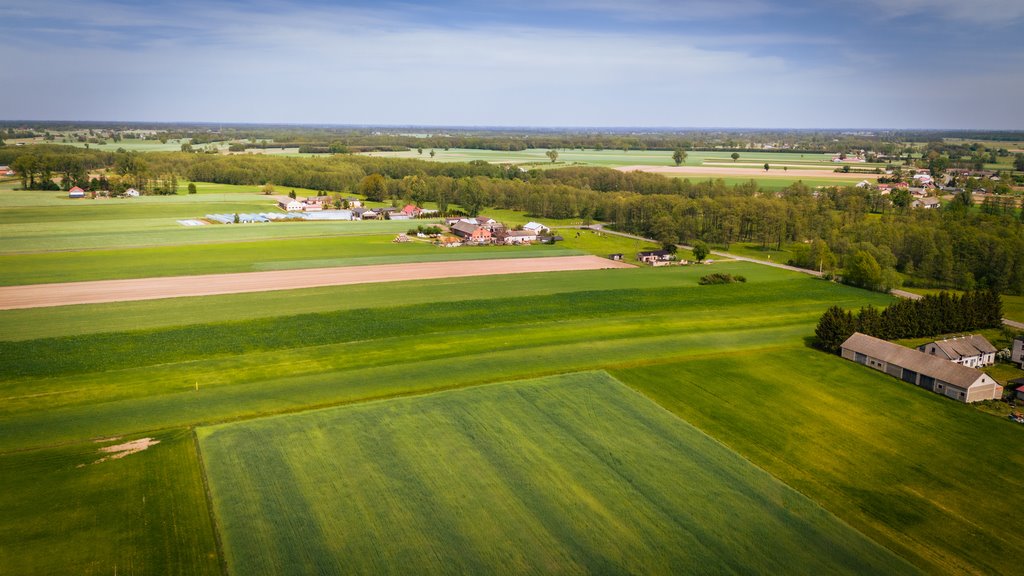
76,192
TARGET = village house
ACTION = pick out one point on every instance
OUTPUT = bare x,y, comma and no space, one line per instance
131,193
471,232
354,202
926,203
932,373
411,211
536,227
76,192
1017,352
973,351
314,203
655,257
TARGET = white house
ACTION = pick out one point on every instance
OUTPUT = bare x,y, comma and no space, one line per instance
973,351
132,193
291,205
535,227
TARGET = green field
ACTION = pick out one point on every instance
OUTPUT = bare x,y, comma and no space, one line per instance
612,158
731,360
910,469
66,513
253,256
524,478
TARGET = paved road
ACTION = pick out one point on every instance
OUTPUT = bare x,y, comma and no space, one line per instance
714,252
900,293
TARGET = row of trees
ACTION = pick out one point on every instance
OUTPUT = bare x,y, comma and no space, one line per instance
866,237
932,315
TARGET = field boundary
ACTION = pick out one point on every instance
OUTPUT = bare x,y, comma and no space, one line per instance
221,560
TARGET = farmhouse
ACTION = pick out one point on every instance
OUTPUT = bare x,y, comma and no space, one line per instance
536,227
313,204
972,351
291,205
131,193
926,203
655,257
411,211
929,372
1017,353
471,232
76,192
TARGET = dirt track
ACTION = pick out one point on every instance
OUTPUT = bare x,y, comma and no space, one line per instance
717,172
40,295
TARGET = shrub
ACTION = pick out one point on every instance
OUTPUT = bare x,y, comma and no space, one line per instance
720,278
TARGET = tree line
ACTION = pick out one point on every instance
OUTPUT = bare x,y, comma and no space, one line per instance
932,315
862,236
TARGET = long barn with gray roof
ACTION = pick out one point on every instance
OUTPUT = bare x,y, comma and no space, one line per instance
929,372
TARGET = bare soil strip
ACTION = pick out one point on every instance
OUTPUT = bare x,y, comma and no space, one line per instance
40,295
715,171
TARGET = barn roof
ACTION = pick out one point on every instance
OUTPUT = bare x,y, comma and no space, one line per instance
938,368
973,345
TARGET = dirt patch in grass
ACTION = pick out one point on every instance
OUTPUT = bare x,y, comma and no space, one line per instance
121,450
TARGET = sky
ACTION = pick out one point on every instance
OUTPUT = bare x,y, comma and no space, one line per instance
871,64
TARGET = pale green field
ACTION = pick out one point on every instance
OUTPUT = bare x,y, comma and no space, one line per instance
527,477
911,469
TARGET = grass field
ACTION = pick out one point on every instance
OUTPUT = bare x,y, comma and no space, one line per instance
113,383
257,255
534,477
85,319
612,158
910,469
145,513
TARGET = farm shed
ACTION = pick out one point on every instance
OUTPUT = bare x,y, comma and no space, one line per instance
929,372
973,351
615,257
516,236
655,257
76,192
290,205
1017,352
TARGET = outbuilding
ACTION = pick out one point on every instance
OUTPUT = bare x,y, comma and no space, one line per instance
76,192
929,372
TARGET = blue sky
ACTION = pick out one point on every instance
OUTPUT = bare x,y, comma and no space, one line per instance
697,63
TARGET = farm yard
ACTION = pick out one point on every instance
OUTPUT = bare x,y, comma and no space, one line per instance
715,384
